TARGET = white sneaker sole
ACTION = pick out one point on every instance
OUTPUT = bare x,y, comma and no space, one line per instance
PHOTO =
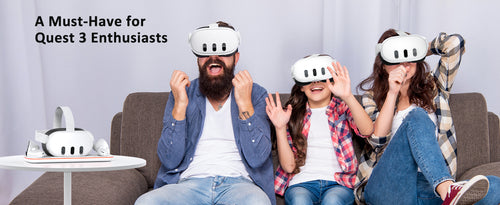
472,191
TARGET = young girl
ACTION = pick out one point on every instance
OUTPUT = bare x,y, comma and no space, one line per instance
317,160
409,107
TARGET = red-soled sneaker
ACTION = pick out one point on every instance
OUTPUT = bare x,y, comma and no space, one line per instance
467,192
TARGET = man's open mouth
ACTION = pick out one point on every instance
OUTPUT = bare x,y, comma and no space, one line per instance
215,69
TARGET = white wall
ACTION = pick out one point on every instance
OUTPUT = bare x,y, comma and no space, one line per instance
94,79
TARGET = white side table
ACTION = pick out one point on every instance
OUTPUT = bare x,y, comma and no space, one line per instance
117,163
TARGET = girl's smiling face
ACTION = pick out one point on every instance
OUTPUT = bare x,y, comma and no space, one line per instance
318,94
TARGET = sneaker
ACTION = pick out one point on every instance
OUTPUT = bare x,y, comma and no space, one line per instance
467,192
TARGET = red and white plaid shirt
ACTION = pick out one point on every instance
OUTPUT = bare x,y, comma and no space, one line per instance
340,122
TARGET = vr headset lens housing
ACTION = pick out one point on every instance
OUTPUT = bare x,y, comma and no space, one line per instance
214,40
311,69
403,48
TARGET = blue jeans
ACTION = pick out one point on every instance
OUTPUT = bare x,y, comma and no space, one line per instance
319,192
395,178
493,196
210,190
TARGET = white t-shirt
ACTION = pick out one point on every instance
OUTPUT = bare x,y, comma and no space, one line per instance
401,115
321,162
216,153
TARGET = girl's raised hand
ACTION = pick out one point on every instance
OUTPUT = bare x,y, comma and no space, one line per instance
341,86
397,79
277,115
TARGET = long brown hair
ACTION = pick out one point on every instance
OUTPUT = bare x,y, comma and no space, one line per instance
422,86
298,100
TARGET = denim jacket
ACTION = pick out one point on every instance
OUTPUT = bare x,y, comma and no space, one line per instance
178,140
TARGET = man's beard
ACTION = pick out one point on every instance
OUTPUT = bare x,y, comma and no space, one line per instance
216,87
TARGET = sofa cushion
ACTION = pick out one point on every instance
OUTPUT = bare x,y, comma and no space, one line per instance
108,187
142,122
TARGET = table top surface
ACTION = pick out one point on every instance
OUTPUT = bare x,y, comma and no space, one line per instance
118,162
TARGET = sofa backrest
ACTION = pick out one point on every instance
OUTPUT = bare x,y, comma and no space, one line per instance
470,116
142,115
494,127
142,122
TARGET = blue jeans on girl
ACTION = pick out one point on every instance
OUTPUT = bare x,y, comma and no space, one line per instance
319,192
396,180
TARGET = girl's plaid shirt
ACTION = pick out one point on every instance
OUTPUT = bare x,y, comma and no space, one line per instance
340,122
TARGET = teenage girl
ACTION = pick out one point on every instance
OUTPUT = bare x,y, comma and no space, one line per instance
413,155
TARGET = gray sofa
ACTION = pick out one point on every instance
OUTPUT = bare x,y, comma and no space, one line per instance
135,132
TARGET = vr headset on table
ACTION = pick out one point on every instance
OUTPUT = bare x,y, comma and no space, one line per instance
65,142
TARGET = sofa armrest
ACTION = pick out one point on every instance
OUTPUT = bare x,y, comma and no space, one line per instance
484,169
107,187
116,130
493,125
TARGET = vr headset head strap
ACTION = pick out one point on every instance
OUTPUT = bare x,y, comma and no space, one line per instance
68,118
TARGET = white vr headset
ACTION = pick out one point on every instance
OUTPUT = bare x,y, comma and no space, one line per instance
69,141
312,68
402,48
214,40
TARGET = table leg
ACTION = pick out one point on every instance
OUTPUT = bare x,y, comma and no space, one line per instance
67,188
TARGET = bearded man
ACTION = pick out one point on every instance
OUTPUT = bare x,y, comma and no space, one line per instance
215,146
